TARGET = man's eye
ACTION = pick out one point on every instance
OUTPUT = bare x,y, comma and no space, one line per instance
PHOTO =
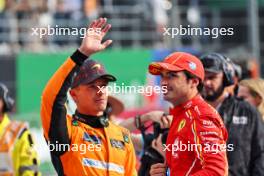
211,78
171,75
93,86
101,87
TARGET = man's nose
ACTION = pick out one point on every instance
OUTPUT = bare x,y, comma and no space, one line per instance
207,82
101,90
164,82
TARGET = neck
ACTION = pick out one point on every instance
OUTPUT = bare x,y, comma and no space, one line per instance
98,113
218,101
93,121
186,98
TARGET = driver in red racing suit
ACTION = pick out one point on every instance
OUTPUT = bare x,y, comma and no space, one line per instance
196,143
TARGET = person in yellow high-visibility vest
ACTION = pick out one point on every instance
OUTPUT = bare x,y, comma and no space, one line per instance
17,155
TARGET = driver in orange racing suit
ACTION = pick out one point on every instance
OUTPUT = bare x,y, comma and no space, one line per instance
109,150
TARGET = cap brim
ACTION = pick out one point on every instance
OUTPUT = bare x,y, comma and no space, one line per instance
211,70
116,104
155,68
108,77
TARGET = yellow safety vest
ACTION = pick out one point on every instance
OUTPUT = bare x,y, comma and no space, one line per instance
17,155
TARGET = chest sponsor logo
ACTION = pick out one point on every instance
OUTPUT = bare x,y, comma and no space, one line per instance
126,138
75,123
91,138
214,139
243,120
208,124
181,125
117,144
204,133
188,105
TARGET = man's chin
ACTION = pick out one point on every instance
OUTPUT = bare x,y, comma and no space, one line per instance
211,98
101,107
100,111
165,97
168,98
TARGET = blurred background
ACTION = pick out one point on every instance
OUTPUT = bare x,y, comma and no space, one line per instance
27,61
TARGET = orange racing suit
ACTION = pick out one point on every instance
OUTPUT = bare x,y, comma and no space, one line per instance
196,143
109,150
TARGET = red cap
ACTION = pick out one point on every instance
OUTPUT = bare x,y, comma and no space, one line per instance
179,61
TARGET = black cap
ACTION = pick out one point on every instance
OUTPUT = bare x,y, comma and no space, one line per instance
213,62
4,95
89,72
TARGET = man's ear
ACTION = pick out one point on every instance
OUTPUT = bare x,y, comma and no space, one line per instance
73,94
258,100
195,82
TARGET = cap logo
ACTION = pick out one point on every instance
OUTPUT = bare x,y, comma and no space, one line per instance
181,125
96,66
192,66
154,68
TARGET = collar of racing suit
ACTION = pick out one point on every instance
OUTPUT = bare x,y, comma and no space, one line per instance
181,107
93,121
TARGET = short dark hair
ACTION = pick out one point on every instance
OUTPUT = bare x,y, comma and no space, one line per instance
191,76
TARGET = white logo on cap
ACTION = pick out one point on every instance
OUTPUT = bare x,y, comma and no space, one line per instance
192,66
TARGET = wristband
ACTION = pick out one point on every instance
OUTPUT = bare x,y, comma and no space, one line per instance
138,121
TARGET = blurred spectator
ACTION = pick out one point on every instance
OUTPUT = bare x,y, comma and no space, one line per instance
61,19
252,91
149,144
2,5
68,14
155,18
18,156
236,74
91,9
75,9
5,18
243,121
23,11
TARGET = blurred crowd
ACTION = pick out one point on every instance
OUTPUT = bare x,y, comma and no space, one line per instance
131,17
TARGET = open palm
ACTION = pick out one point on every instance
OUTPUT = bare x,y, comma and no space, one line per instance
92,42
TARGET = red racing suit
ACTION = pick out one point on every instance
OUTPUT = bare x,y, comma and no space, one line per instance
196,143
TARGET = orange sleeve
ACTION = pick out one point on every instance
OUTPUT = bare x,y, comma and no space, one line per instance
130,165
53,110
